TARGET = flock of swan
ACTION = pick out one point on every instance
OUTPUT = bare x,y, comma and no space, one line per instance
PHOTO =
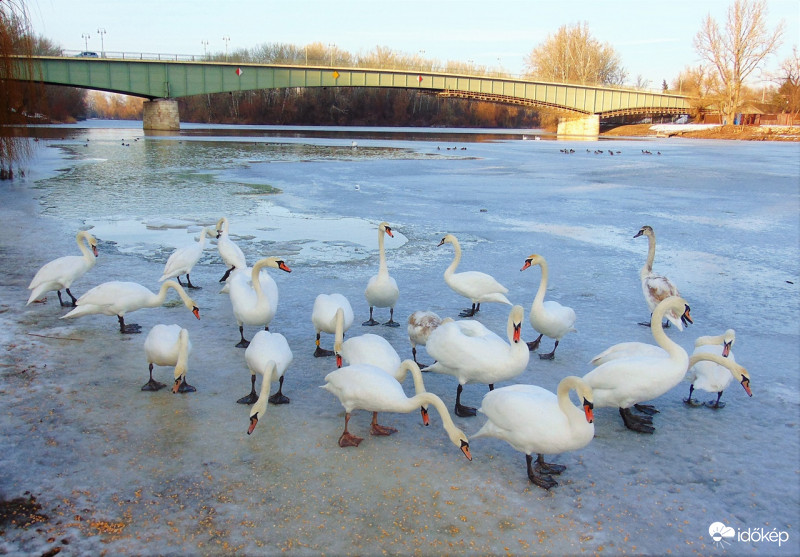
370,372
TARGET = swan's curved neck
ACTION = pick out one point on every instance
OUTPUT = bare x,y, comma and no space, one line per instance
162,294
82,239
183,354
456,259
717,359
223,224
266,383
539,299
382,265
426,398
651,252
564,403
254,277
338,336
672,348
416,375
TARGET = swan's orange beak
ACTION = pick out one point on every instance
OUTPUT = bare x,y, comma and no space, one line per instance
196,312
746,385
726,349
588,409
465,450
94,250
177,384
338,360
389,232
517,331
284,267
425,419
526,265
253,423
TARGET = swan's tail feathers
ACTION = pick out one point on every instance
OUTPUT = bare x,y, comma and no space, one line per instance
163,278
80,311
495,297
36,294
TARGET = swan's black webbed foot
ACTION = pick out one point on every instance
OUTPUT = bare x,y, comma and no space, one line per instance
715,404
640,424
279,397
153,385
184,387
391,323
643,324
322,353
548,356
465,411
548,467
370,323
469,312
242,344
648,409
534,344
252,398
542,480
693,402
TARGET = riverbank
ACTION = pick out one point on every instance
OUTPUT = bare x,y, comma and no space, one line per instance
742,133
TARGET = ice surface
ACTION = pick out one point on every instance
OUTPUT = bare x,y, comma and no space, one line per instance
124,471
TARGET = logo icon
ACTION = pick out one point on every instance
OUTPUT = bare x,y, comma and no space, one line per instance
720,533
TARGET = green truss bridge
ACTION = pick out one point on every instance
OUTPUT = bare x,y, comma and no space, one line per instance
162,78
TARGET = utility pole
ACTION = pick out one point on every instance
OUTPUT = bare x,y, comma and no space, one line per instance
227,39
205,44
101,31
85,37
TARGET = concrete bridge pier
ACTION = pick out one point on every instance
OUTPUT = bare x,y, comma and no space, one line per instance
583,126
161,115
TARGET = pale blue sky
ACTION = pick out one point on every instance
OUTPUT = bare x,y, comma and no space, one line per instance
654,40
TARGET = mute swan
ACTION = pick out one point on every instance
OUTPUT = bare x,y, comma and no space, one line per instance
709,374
230,253
367,387
382,289
473,354
62,272
268,354
168,345
323,317
534,420
118,298
254,302
478,287
182,260
420,326
548,318
625,382
628,349
654,286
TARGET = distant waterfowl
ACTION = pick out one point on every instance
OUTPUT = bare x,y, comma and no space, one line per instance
548,318
60,273
168,345
420,326
625,382
366,387
182,260
230,253
471,353
118,298
255,301
268,354
654,286
476,286
323,317
382,289
534,420
714,374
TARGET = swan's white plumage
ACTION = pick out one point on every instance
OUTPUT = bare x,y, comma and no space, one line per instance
548,318
323,314
169,345
624,382
709,374
382,290
60,273
182,260
254,296
655,287
230,253
420,326
269,355
476,286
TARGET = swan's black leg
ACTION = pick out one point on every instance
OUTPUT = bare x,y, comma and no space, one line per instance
542,480
534,344
371,322
251,398
242,343
469,312
178,278
189,283
130,328
152,385
716,404
321,352
74,299
550,355
391,322
690,401
463,411
279,397
227,274
639,424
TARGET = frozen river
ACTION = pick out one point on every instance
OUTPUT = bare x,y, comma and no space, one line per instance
120,470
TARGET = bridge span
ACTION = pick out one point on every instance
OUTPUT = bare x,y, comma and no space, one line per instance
162,81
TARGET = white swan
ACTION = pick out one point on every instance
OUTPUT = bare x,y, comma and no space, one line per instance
323,317
62,272
625,382
714,374
420,326
168,345
656,287
268,354
230,253
476,286
364,349
628,349
367,387
118,298
473,354
382,289
255,301
182,260
548,318
534,420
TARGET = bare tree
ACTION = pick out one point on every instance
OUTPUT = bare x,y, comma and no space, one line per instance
790,86
735,51
572,55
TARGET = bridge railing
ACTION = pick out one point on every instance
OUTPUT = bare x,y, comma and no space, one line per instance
161,57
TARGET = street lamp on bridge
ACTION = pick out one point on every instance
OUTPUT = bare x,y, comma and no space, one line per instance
227,39
205,51
85,37
101,31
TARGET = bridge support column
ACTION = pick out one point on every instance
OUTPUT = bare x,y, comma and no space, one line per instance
161,114
585,126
